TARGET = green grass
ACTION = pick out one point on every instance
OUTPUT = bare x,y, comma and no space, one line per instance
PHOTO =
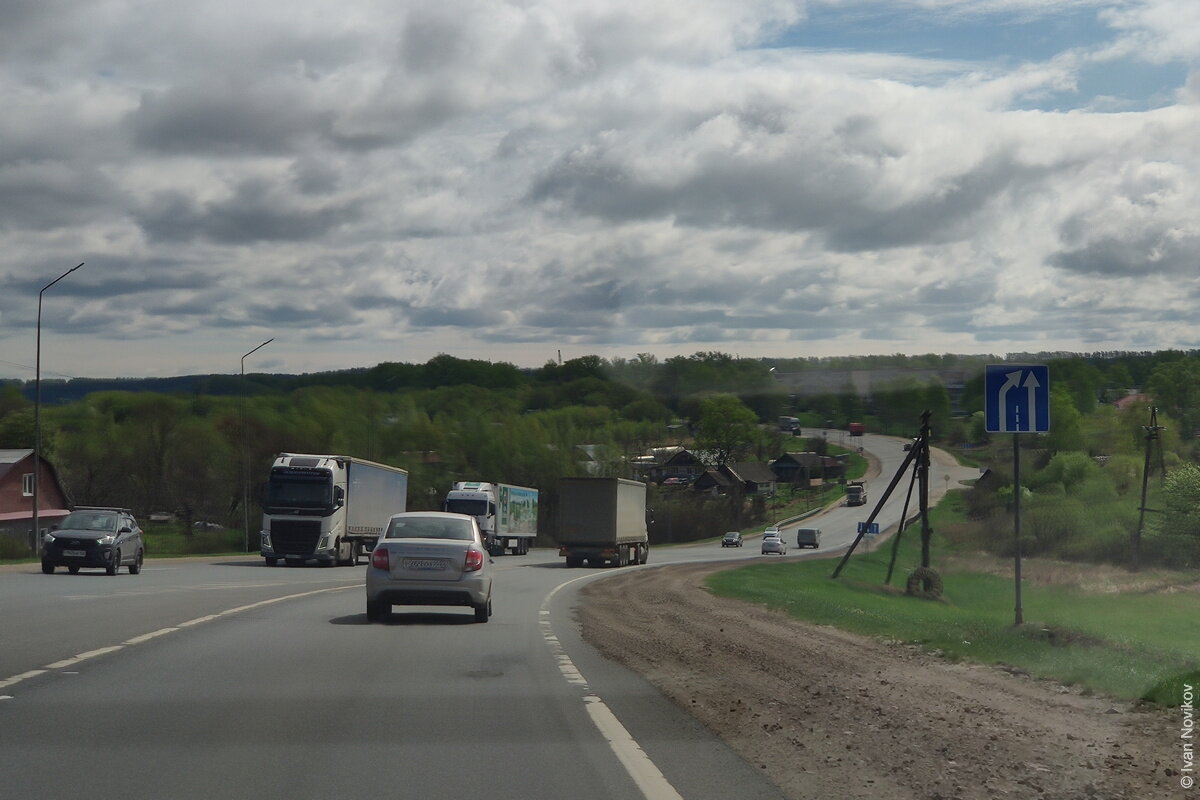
169,540
1129,645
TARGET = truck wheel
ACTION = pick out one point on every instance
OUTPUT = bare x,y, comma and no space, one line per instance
573,562
646,554
355,552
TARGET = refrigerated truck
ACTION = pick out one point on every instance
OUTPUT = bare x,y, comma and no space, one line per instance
507,515
327,508
602,520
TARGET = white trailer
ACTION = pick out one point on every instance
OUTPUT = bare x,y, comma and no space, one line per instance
507,515
328,508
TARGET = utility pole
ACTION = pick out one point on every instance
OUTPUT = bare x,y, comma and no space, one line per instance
1151,437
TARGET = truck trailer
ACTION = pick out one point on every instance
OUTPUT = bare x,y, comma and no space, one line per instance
507,515
602,520
326,508
857,428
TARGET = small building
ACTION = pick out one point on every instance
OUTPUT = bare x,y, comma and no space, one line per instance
16,496
754,477
800,469
671,462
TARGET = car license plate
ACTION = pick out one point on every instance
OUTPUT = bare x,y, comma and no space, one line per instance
75,553
424,563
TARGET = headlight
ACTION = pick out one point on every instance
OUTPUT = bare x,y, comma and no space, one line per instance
48,539
106,539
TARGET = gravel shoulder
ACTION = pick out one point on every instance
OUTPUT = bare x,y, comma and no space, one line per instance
830,714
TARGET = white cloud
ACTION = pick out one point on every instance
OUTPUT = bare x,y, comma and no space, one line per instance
495,179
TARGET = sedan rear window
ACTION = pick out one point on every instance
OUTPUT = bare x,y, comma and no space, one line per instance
429,528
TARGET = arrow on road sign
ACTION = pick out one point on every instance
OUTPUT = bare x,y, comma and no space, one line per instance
1007,408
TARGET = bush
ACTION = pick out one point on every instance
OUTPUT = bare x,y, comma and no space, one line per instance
11,547
1051,525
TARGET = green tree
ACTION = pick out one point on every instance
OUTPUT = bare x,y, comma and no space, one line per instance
1175,387
1066,431
728,430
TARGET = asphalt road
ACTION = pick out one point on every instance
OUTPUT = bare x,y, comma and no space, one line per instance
229,679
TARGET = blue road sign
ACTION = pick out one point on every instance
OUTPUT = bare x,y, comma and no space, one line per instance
869,530
1016,398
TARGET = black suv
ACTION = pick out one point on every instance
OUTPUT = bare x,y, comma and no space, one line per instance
95,537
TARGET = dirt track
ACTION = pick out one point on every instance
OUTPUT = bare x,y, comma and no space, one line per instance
828,714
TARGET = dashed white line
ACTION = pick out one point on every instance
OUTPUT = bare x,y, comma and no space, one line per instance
145,637
649,779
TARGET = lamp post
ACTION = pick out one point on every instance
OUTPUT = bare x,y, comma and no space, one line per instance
245,453
37,413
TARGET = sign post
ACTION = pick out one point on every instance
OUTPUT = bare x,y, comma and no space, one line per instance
1016,400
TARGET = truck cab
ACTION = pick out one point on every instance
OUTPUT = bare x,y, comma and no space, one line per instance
476,499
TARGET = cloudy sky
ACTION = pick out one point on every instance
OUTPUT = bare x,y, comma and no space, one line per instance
386,181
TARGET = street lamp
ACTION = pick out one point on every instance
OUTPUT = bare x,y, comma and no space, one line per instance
37,412
245,453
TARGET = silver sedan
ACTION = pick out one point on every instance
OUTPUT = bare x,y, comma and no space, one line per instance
773,543
430,558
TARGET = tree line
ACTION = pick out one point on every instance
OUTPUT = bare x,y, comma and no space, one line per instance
193,450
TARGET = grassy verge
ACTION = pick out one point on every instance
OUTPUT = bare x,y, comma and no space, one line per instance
169,540
1129,645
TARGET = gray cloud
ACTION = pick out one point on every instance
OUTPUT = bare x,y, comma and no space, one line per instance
257,211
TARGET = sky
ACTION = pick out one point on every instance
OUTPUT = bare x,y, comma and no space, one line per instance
510,181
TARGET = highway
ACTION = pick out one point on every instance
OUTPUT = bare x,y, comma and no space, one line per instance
224,678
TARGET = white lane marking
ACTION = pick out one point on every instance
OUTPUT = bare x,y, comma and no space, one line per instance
33,673
70,662
145,637
650,781
211,587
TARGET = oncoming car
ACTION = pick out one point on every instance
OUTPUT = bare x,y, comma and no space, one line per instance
430,558
108,538
731,539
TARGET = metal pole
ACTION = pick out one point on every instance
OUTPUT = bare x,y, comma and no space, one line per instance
35,534
1017,527
245,453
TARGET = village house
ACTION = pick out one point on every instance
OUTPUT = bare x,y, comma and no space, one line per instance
16,496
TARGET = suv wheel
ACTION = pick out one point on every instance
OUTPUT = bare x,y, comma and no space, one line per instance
136,566
47,568
112,568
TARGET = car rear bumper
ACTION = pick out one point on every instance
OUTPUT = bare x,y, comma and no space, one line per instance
471,590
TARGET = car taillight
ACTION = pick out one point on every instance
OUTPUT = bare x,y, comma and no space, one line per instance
474,560
379,558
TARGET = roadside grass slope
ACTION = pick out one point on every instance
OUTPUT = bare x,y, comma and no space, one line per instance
1130,644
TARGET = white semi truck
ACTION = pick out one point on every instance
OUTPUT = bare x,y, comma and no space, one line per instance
326,508
602,520
507,515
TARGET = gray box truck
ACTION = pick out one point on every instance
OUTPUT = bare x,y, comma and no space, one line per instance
602,520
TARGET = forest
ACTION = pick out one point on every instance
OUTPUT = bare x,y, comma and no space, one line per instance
191,450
